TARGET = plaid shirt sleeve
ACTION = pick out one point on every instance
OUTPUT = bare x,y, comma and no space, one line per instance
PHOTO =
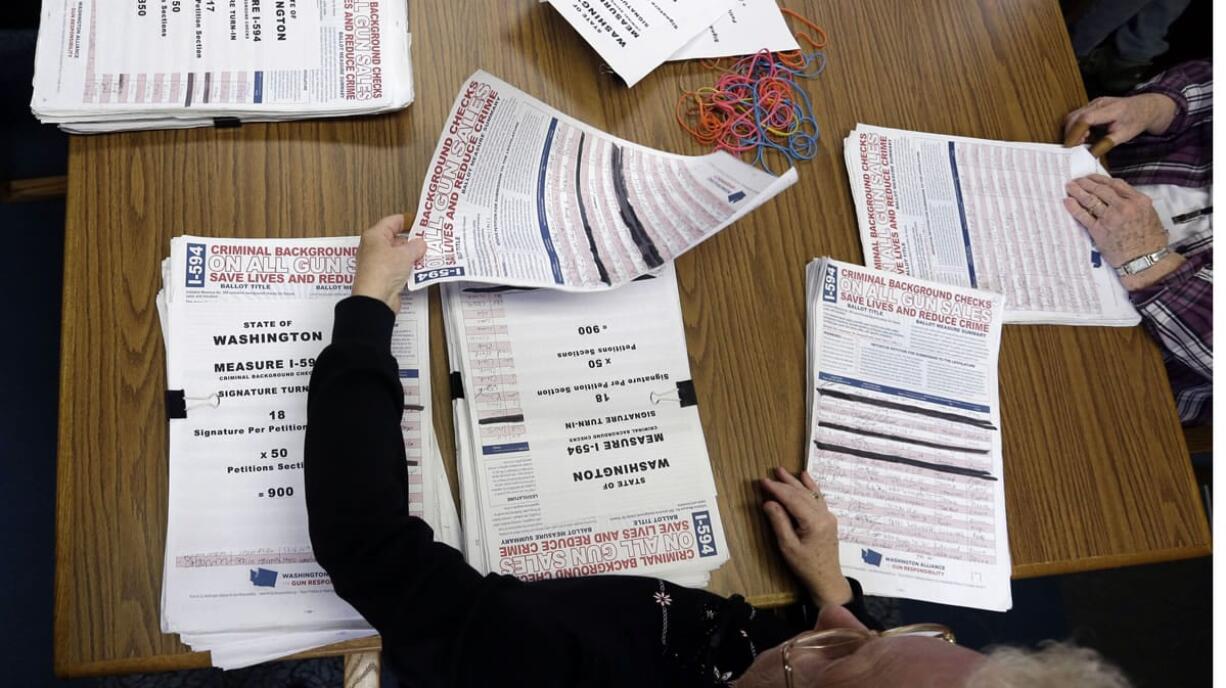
1183,155
1178,313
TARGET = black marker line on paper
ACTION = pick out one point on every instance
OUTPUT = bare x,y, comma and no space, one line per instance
651,256
495,289
587,227
495,420
926,465
898,438
907,408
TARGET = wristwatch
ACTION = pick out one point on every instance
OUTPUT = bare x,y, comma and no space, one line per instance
1145,262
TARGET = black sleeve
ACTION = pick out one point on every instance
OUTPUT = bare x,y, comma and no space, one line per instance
382,561
856,607
434,611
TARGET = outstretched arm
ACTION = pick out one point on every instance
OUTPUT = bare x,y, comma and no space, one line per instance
382,561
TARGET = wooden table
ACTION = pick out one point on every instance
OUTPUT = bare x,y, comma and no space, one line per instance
1096,469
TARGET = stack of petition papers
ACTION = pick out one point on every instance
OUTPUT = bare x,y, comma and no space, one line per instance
904,433
987,215
243,321
579,446
636,36
164,64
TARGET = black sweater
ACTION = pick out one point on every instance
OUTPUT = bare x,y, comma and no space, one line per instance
442,623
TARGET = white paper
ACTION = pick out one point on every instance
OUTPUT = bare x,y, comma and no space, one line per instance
986,214
519,194
636,36
239,650
749,27
904,433
169,64
580,452
243,36
243,321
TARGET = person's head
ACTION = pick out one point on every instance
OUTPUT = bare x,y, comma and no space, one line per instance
902,661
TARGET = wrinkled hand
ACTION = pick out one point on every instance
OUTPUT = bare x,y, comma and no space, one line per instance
1124,119
1123,224
808,535
385,261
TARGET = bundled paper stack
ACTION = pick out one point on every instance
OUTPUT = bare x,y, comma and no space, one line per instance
636,36
983,214
162,64
243,321
904,433
578,438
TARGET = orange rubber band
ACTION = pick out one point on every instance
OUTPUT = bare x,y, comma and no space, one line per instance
804,36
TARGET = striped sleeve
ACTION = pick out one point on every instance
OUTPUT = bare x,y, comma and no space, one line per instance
1179,315
1183,154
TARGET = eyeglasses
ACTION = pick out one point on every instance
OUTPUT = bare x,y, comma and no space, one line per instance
835,643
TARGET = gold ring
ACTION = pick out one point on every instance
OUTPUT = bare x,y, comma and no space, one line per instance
817,496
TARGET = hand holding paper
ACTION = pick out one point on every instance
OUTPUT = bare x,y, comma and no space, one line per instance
385,261
983,214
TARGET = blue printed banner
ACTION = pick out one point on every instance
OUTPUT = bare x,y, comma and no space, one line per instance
197,257
830,285
905,393
495,449
705,534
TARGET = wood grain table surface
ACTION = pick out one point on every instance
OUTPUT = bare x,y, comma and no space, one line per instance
1096,470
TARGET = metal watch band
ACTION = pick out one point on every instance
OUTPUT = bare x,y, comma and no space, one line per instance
1145,262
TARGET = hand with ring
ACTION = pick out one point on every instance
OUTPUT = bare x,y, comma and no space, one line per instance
1123,224
808,535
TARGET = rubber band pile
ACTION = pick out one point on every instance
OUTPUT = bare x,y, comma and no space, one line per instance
757,106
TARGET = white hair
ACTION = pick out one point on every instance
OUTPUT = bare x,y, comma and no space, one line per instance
1055,665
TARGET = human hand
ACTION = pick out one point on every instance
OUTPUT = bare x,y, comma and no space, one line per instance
1124,118
808,535
1123,224
385,261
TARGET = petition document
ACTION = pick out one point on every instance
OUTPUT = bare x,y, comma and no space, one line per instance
519,194
244,322
581,448
904,430
150,61
636,36
750,26
987,215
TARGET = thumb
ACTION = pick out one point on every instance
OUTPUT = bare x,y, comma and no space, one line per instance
416,248
391,225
